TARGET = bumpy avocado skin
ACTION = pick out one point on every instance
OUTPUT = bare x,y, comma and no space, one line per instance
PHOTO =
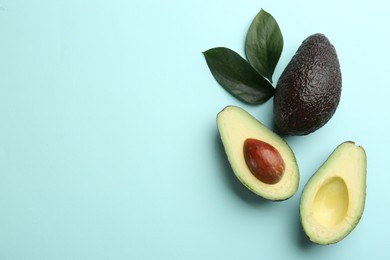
308,91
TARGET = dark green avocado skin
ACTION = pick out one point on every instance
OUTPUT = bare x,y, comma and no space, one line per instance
308,91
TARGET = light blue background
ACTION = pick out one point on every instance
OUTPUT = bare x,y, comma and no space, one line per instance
108,142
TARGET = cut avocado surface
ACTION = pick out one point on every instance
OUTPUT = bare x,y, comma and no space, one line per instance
333,199
235,126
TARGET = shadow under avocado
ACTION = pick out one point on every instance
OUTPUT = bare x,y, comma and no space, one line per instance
230,178
277,131
301,238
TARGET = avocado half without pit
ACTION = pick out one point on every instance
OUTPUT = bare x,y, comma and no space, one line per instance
333,199
260,159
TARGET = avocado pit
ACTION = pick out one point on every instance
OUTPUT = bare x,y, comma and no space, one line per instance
264,161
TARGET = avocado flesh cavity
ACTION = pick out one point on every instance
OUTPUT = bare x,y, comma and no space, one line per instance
333,199
308,91
235,126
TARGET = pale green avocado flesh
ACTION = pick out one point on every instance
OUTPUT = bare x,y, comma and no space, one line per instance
333,199
235,125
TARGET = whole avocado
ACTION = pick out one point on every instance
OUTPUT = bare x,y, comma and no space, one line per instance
308,91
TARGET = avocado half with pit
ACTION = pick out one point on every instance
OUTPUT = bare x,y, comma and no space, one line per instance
260,159
333,199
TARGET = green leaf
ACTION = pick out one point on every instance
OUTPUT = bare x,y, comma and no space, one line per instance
237,76
264,44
